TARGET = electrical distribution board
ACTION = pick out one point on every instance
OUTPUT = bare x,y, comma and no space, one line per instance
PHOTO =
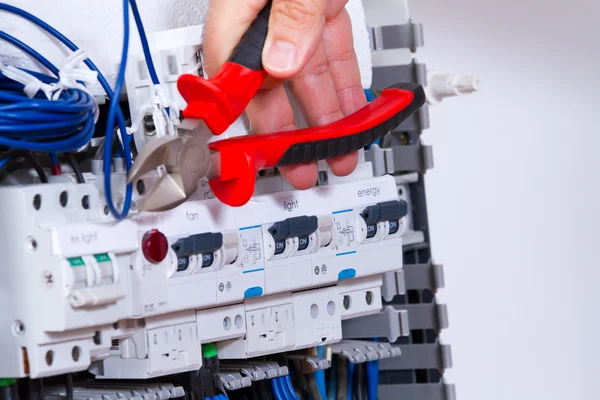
321,293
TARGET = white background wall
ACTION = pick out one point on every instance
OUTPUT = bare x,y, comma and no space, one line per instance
514,198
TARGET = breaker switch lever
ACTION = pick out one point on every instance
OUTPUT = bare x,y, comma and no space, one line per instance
294,227
386,211
201,243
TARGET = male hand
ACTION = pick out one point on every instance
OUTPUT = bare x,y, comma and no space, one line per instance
310,46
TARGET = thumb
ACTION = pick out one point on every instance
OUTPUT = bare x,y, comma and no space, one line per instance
226,23
295,31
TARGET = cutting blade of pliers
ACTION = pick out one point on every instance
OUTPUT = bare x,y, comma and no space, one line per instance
181,162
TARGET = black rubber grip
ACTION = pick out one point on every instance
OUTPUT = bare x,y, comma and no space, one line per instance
324,149
248,52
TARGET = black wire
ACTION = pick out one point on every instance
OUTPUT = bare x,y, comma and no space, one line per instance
299,380
75,167
313,389
8,392
36,389
69,378
16,153
254,393
359,380
342,378
264,392
116,144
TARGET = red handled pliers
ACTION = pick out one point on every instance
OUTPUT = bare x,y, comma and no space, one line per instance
231,165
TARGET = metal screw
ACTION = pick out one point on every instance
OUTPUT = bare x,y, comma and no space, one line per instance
48,279
369,298
19,328
31,244
346,302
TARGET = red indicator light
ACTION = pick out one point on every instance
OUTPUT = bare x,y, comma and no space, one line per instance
155,246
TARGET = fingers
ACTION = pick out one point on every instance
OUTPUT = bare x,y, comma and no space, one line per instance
295,32
309,43
226,23
335,7
329,87
343,63
315,91
345,73
270,111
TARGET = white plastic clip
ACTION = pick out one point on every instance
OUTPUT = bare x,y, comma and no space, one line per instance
71,74
31,83
157,105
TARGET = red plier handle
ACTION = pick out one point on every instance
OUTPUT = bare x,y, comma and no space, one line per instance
220,100
242,157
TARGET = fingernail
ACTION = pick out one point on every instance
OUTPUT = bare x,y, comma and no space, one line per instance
282,56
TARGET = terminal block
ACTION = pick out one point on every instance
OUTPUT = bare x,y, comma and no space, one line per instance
357,351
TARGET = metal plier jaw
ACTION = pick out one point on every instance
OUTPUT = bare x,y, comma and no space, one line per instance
181,161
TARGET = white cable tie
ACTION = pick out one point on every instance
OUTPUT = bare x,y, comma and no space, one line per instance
72,73
157,105
159,120
164,103
144,109
32,84
174,116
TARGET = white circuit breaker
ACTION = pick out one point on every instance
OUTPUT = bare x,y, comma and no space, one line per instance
137,298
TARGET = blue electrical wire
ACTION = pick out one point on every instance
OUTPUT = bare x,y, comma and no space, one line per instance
67,123
114,103
320,375
373,383
372,377
144,40
286,382
114,111
285,395
350,381
277,391
145,45
25,48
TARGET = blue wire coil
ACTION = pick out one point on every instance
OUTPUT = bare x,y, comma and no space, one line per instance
114,109
40,124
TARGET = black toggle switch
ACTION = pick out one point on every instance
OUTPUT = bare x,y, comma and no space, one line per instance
294,227
385,211
393,210
198,244
300,227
